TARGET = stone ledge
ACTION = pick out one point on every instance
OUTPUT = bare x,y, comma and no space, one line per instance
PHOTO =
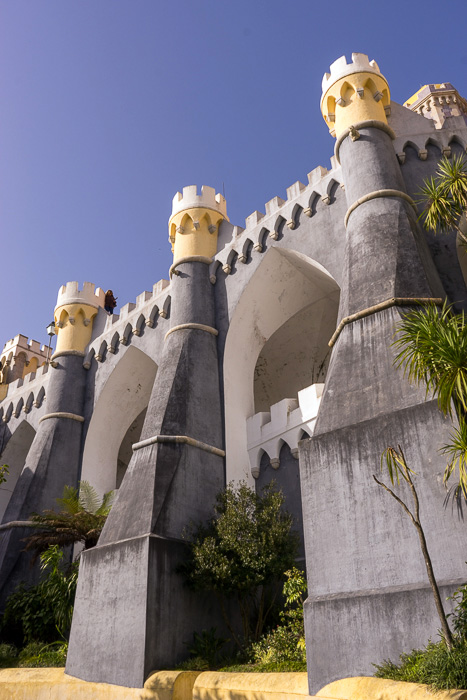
366,688
55,684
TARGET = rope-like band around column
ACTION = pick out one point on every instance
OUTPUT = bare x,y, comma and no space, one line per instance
62,414
64,353
191,258
180,440
367,124
192,326
376,195
395,301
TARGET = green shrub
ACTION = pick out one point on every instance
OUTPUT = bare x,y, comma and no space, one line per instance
42,612
206,647
38,655
240,555
286,643
459,616
8,655
435,665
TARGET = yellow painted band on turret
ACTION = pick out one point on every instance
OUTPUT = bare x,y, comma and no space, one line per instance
194,232
74,326
354,98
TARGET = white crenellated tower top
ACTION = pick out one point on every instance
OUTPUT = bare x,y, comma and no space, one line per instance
340,68
70,293
190,199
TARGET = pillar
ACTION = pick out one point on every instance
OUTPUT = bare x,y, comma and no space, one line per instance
369,597
129,589
53,460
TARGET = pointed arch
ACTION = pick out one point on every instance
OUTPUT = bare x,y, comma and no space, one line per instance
151,320
101,353
264,358
40,397
165,312
139,326
114,343
28,403
19,407
126,335
133,377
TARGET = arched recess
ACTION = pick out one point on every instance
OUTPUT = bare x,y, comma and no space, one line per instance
122,400
276,343
14,455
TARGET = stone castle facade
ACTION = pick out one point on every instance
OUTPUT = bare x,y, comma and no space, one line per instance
266,355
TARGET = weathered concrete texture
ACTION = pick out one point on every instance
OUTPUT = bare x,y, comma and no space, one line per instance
52,462
145,614
370,578
362,380
166,487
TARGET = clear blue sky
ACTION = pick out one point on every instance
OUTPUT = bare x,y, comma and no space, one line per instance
108,107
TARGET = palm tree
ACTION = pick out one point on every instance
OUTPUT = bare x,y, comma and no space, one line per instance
432,347
80,519
444,197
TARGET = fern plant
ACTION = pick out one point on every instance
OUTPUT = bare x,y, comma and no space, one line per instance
80,519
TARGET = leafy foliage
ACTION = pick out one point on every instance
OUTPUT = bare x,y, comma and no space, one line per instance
42,612
444,197
435,665
242,553
432,348
286,643
4,471
38,655
459,616
80,519
206,648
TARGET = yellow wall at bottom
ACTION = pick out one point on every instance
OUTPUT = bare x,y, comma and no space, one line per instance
54,684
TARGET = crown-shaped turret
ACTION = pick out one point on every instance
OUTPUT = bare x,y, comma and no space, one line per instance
70,293
208,199
354,92
195,220
74,313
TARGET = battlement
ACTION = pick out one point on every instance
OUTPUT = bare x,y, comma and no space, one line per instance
22,342
208,199
340,68
70,293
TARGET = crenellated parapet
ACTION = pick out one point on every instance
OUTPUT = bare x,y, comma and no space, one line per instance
20,356
74,313
194,223
354,92
281,217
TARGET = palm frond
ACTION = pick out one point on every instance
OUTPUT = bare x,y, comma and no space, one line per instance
432,348
440,210
456,450
396,465
88,497
69,502
106,505
453,174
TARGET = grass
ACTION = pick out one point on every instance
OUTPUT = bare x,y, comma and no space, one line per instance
435,665
34,655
